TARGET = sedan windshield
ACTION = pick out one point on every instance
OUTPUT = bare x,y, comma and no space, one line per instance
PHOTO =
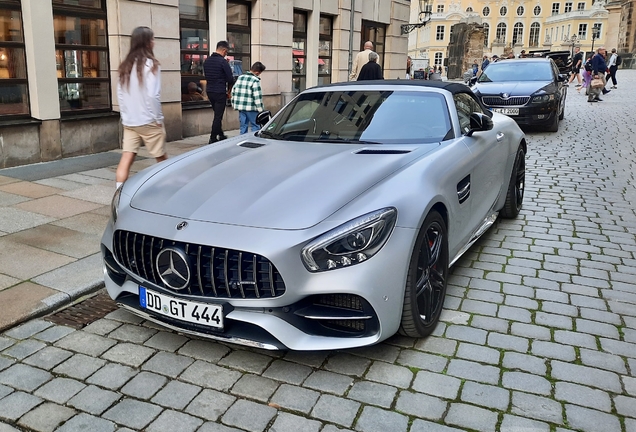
363,117
511,70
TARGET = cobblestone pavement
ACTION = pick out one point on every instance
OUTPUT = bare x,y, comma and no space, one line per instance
538,333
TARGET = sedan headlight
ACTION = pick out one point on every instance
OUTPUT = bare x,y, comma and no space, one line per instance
114,204
542,98
351,243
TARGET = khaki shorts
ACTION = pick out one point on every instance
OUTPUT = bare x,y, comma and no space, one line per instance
153,136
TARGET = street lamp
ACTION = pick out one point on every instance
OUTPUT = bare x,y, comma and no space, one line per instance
596,33
424,16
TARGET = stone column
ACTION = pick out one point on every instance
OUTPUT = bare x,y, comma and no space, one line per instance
218,23
313,42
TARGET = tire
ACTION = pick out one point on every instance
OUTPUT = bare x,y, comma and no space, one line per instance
516,187
426,280
554,125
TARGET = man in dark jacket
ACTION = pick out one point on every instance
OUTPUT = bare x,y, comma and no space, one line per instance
598,71
371,70
219,82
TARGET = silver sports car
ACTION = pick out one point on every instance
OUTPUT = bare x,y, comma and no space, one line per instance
333,227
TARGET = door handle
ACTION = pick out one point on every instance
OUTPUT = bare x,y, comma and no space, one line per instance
500,136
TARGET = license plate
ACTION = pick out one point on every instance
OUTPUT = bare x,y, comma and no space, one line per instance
184,310
506,111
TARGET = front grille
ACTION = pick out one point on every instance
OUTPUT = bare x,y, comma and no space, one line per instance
499,101
344,301
215,272
352,326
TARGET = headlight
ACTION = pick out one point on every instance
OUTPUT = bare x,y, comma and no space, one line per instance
351,243
114,204
542,98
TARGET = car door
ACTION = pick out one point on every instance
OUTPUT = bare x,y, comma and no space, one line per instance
560,85
489,153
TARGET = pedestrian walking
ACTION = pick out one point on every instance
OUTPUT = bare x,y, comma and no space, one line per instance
139,96
409,63
587,75
361,59
598,72
485,62
371,70
613,67
219,84
247,97
577,62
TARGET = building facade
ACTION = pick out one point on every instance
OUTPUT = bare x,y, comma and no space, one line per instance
512,25
59,61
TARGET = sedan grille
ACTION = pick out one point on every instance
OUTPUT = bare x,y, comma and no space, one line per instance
499,101
213,272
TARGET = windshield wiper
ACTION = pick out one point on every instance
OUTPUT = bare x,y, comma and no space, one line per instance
268,134
344,141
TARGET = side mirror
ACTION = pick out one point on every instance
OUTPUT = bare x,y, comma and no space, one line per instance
263,117
479,122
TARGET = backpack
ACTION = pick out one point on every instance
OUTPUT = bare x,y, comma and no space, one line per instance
619,60
588,65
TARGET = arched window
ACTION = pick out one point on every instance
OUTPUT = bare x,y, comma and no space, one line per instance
486,11
537,10
535,29
520,10
486,33
517,34
500,35
469,9
503,11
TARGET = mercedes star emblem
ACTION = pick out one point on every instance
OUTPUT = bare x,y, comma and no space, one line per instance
173,268
182,225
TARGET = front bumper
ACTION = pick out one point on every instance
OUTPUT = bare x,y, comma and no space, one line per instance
533,114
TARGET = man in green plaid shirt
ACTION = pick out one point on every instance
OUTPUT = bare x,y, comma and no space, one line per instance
247,97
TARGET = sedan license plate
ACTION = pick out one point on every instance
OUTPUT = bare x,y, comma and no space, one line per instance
180,309
506,111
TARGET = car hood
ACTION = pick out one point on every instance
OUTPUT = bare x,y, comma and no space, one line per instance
513,88
280,185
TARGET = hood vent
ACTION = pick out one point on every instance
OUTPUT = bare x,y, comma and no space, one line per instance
251,145
383,152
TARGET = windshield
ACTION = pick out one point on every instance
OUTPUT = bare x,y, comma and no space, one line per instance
363,116
511,70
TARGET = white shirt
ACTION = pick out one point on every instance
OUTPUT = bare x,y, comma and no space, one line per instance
612,61
140,105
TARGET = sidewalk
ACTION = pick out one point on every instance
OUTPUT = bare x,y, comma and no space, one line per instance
52,216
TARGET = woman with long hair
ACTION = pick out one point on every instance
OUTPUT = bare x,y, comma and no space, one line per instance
138,93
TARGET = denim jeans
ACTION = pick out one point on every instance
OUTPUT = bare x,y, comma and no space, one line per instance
248,117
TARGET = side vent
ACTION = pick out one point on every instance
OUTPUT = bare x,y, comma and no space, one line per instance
463,189
385,152
251,145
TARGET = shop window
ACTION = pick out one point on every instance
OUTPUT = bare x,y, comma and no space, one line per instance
81,55
194,36
299,45
239,36
14,96
325,49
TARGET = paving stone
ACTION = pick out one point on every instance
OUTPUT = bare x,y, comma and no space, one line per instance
420,405
508,342
382,352
437,345
260,415
169,421
347,364
166,341
553,350
436,384
602,360
295,398
102,326
48,357
255,387
144,385
124,316
313,359
291,373
246,361
93,400
292,423
168,364
478,353
24,349
6,342
375,419
528,363
216,427
466,334
601,316
132,333
491,324
512,423
46,417
85,343
559,309
128,354
23,377
587,376
328,382
132,413
112,376
553,320
530,331
589,420
210,376
526,382
373,393
473,371
479,307
536,407
85,422
4,391
79,366
514,314
210,404
625,405
54,333
420,360
17,404
471,417
204,350
425,426
485,395
60,390
451,316
176,395
393,375
584,396
336,410
28,329
618,347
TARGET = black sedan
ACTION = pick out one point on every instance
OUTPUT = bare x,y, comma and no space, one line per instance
529,90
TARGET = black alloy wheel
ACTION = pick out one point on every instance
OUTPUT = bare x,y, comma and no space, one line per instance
426,280
516,187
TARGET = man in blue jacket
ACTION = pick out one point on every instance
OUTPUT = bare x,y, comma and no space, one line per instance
598,71
219,83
